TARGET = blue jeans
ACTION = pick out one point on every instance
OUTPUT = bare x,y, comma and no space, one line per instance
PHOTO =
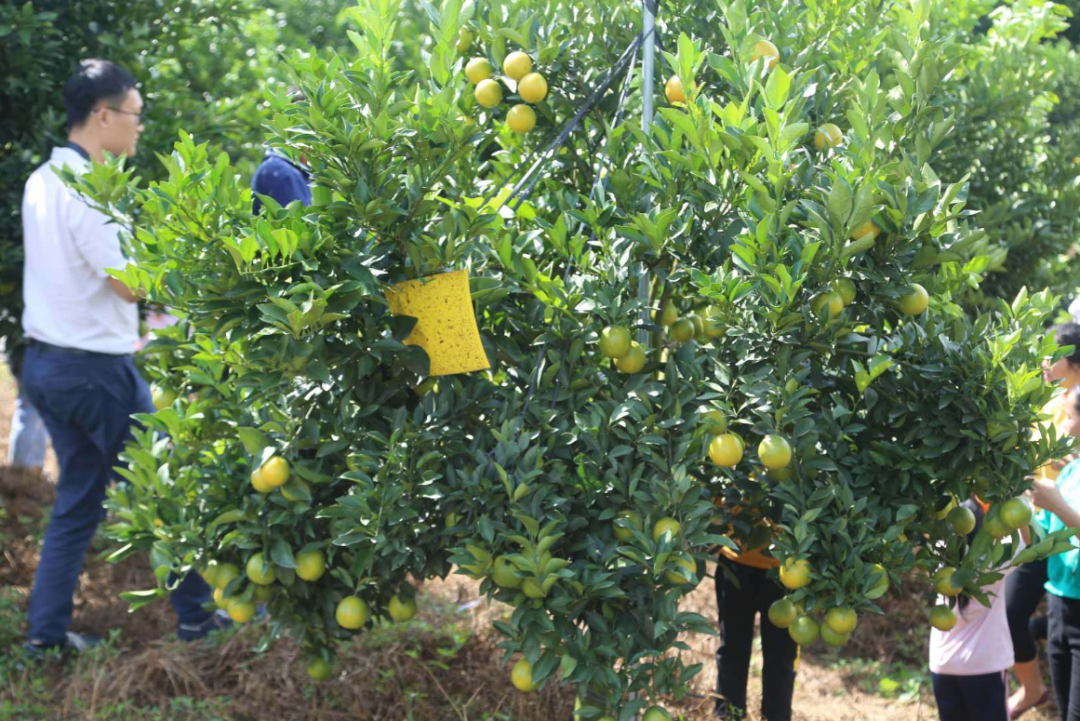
86,402
28,437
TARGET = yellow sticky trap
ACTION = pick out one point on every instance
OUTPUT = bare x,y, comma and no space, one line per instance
445,321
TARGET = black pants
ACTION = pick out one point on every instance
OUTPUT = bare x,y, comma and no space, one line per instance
738,606
971,698
1023,593
1063,649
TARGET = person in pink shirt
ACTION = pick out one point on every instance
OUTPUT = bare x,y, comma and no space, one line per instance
969,663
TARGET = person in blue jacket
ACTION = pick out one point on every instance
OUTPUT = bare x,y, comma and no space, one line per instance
281,179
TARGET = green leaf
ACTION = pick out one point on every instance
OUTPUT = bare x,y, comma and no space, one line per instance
253,439
281,554
777,88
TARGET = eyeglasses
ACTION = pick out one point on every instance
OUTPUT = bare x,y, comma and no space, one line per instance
138,116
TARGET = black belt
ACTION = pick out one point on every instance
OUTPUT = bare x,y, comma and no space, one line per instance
33,343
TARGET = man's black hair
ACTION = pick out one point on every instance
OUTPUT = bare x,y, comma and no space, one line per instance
95,81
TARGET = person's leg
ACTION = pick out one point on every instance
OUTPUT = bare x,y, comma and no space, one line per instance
737,610
26,448
1058,653
779,653
1069,628
949,698
1023,593
68,405
985,696
1038,628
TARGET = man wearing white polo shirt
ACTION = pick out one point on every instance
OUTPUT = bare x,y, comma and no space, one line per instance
79,371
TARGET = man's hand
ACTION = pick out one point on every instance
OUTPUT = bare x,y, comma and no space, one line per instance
123,291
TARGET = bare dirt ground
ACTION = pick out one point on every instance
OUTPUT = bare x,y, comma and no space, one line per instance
445,665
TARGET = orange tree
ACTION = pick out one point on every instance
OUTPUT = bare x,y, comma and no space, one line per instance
797,351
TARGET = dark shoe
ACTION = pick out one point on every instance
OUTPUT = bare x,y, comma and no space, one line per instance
72,644
218,621
1017,713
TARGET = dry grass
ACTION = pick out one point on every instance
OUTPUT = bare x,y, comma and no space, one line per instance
444,666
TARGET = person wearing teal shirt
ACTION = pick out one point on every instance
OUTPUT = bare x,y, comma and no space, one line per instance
1061,504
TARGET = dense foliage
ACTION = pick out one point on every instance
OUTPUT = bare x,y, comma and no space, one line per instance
806,368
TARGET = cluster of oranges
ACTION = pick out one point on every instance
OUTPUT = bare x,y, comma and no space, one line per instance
531,87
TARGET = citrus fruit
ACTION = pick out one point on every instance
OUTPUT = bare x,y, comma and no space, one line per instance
774,452
673,89
311,565
686,562
502,572
942,618
962,520
478,70
867,228
633,361
682,330
765,49
521,118
782,613
615,341
263,593
163,397
881,585
842,620
795,573
464,40
943,582
274,472
830,299
521,676
259,571
401,610
669,313
715,421
209,574
828,134
239,610
803,630
665,525
994,526
352,613
488,93
219,598
630,519
914,301
846,288
726,450
533,88
532,588
320,670
656,713
831,637
258,483
711,323
1015,513
225,574
517,65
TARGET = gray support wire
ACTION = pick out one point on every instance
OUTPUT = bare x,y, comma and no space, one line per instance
648,70
624,93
